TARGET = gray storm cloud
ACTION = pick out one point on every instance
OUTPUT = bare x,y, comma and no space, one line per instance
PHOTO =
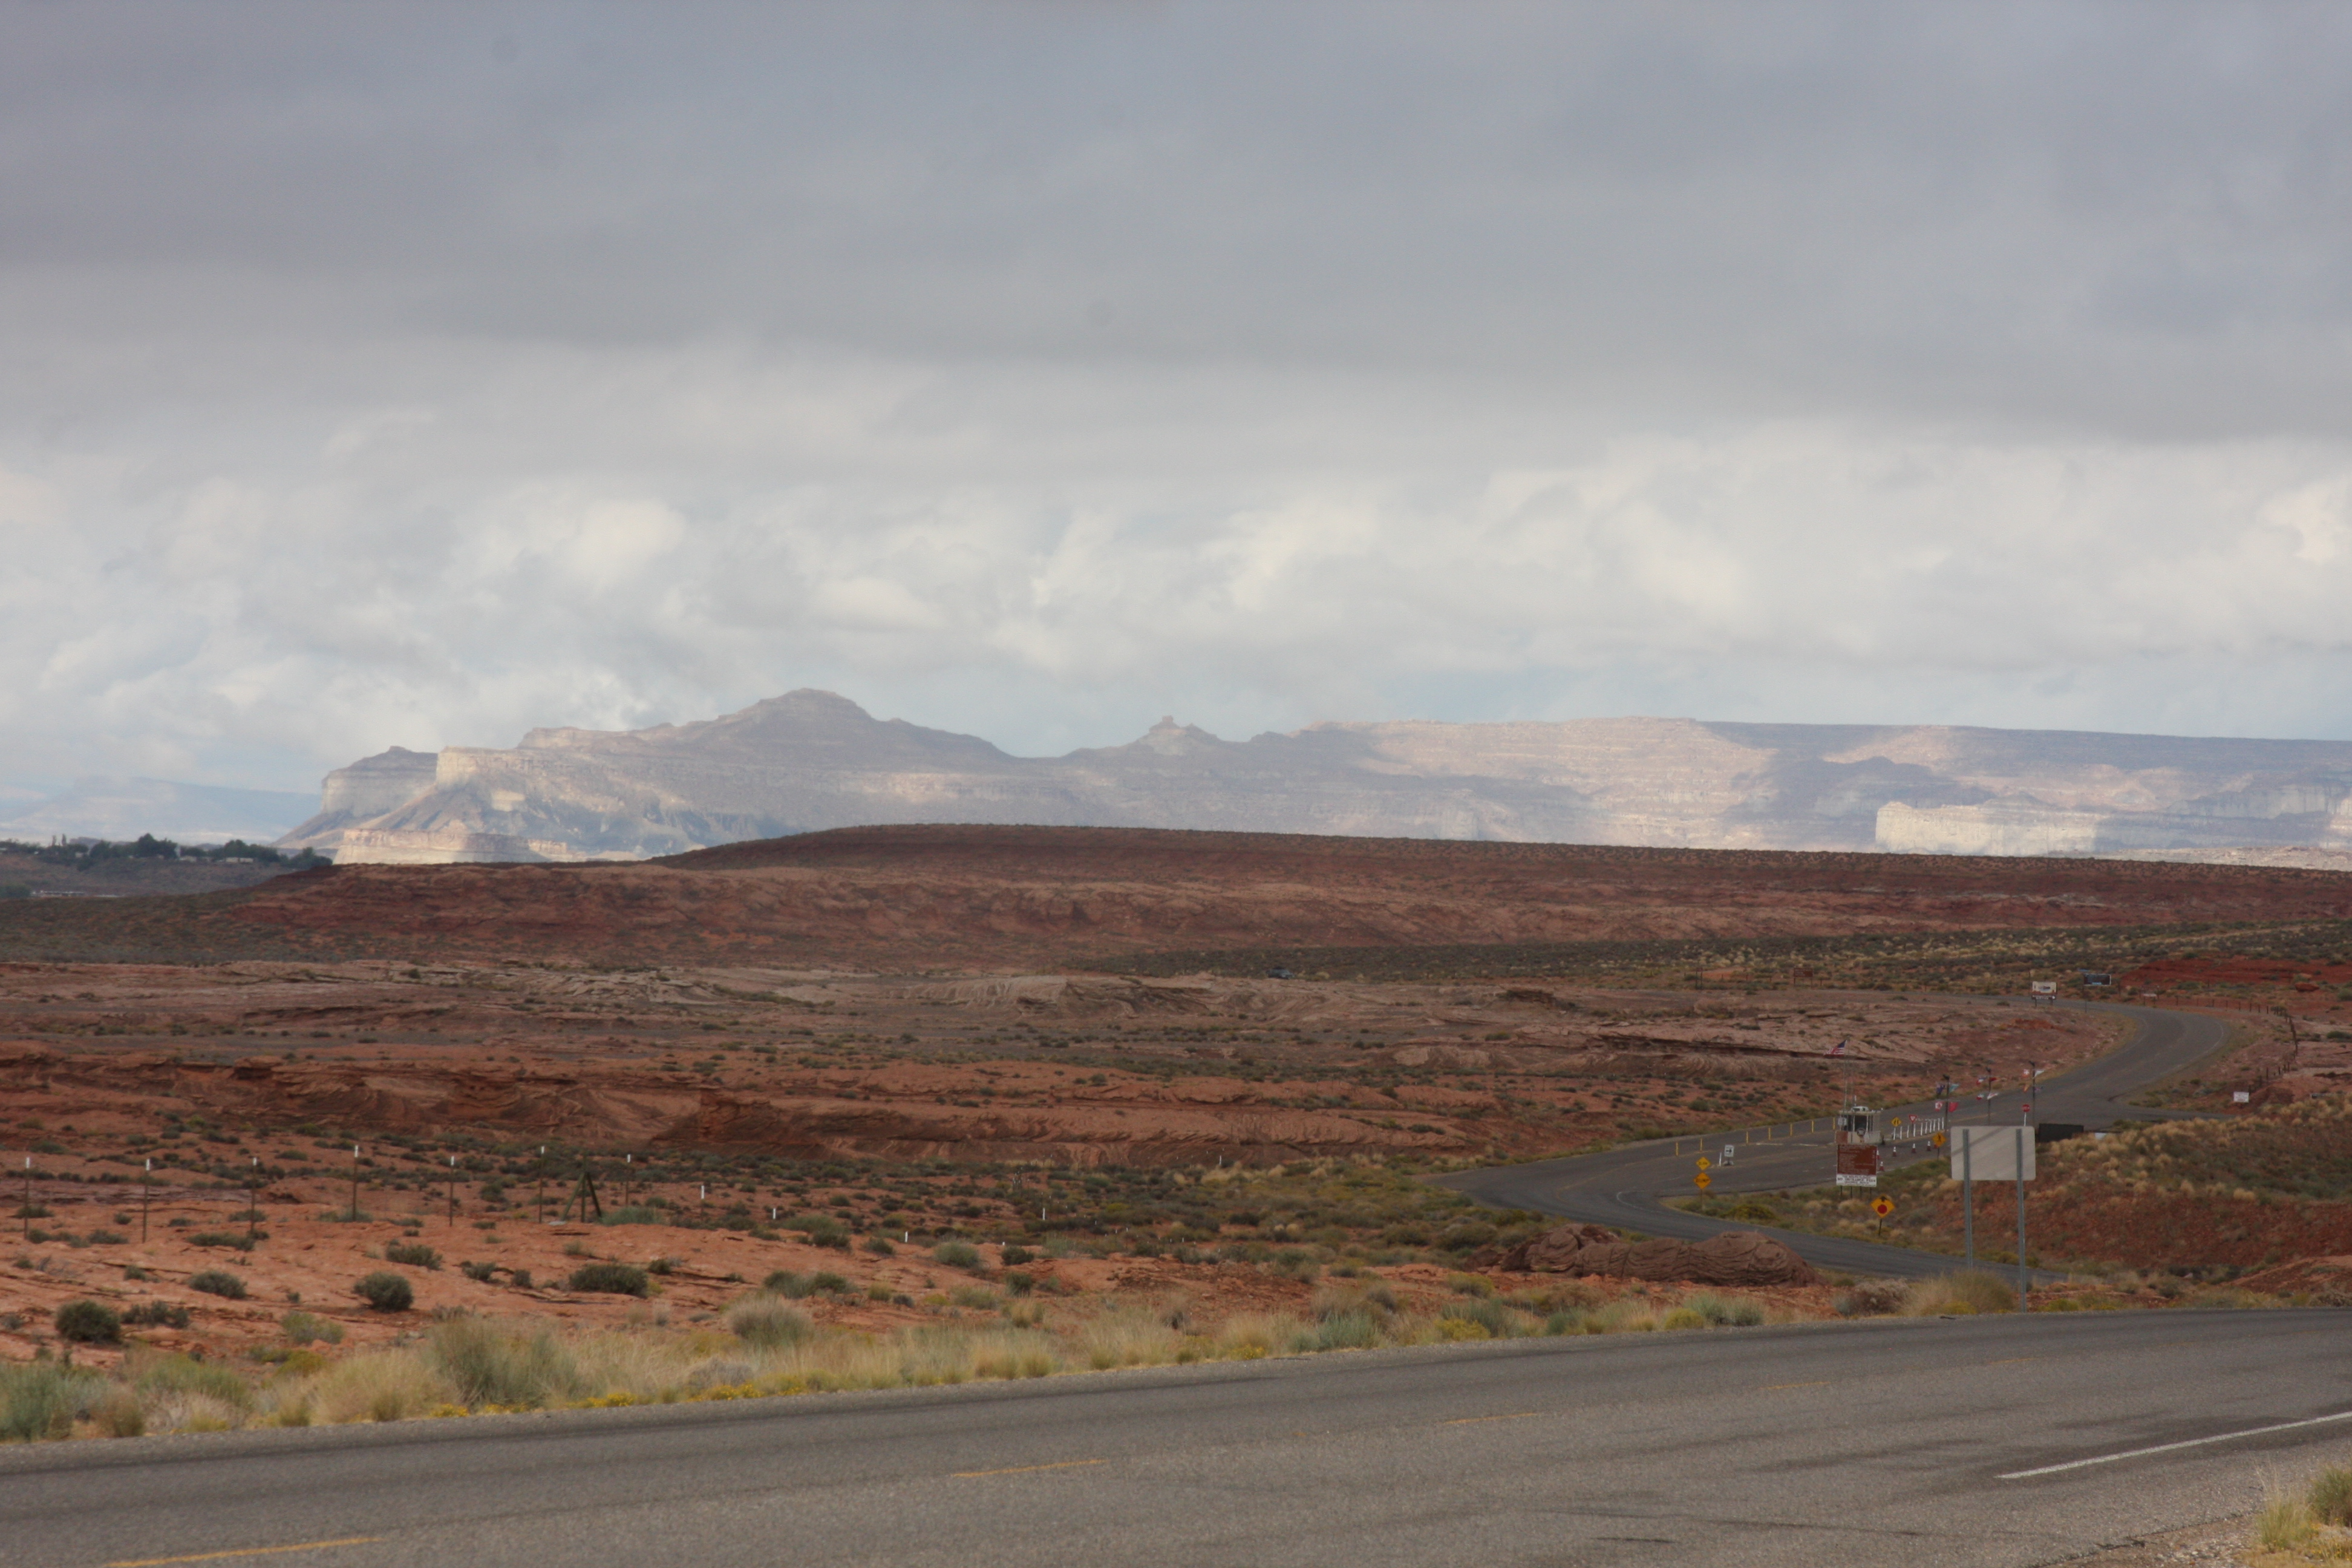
422,375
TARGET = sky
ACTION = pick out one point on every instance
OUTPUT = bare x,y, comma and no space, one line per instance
422,374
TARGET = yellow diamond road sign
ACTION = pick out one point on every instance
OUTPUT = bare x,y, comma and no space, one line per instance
1703,1181
1703,1162
1939,1139
1882,1207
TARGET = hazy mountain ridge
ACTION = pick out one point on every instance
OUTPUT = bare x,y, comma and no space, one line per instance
811,760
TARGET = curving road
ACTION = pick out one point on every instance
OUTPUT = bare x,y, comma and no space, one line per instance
1623,1187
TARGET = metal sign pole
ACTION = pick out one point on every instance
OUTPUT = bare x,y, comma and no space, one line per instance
2021,1219
1969,1192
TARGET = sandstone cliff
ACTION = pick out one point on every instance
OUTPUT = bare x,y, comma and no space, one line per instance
811,760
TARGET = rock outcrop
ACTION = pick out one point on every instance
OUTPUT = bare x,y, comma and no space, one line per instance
811,760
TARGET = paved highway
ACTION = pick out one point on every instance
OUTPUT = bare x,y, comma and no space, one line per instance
1985,1441
1623,1187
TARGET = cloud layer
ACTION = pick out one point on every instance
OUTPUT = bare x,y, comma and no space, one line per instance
418,376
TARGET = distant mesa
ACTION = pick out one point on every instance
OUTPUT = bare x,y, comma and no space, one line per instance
811,760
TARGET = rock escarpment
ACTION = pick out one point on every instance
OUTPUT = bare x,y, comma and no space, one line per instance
809,761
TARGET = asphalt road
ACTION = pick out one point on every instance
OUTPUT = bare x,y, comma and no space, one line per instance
1624,1187
1862,1442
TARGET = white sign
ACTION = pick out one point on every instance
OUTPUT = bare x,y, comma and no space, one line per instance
2045,988
2240,1097
1847,1180
1991,1154
1726,1154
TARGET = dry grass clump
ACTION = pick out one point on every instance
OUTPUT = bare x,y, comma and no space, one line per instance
1963,1293
2313,1525
768,1344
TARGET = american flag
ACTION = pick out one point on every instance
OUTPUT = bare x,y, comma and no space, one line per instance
1838,1049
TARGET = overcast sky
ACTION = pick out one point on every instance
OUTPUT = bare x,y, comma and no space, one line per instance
402,374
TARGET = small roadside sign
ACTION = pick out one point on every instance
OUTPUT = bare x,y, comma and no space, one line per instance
1728,1147
1937,1140
1702,1180
1881,1205
2045,988
2242,1097
1704,1163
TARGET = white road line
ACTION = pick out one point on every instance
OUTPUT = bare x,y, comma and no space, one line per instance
2169,1447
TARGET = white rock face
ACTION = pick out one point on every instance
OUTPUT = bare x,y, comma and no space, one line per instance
811,760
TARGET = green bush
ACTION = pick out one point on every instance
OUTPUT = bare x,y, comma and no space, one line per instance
609,1278
766,1322
44,1399
88,1323
2331,1497
302,1328
1499,1320
385,1291
217,1282
881,1247
1736,1311
821,1229
633,1214
784,1282
1016,1255
489,1366
414,1254
185,1374
957,1254
157,1315
478,1272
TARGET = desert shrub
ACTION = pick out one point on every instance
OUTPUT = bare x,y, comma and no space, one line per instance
1960,1294
1016,1255
824,1282
1871,1299
1499,1320
42,1400
822,1230
478,1272
87,1323
235,1238
1721,1312
765,1321
633,1214
486,1365
1344,1331
161,1374
411,1254
784,1282
303,1327
610,1280
106,1238
957,1254
388,1386
157,1315
385,1291
1019,1282
520,1279
2285,1522
2330,1498
1682,1317
217,1282
119,1414
881,1247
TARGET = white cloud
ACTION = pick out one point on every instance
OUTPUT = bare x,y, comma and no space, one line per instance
1260,365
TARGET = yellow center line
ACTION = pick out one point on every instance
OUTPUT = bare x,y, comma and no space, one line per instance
245,1552
1769,1387
1009,1471
1474,1420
